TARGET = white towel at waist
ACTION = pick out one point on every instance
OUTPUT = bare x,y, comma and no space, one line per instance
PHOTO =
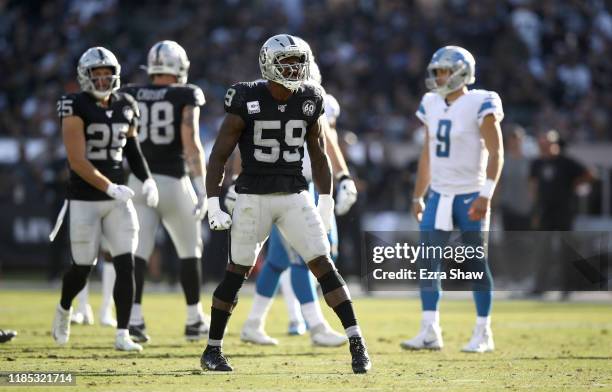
444,213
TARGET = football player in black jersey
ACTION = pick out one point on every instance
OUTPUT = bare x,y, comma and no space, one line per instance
170,138
270,120
98,124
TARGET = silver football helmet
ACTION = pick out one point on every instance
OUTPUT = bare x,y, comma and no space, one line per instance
459,61
314,73
278,48
98,57
168,57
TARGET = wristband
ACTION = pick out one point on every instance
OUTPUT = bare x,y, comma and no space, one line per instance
213,204
417,199
487,189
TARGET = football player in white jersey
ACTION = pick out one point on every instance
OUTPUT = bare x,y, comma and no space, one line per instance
460,164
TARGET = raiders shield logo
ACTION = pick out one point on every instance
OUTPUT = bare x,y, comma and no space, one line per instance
128,113
308,108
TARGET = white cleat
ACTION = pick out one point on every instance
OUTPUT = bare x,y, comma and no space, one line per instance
60,329
107,319
125,343
253,332
481,341
324,335
429,338
84,316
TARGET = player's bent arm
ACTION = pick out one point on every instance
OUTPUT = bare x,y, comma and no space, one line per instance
192,146
319,162
423,177
229,133
74,141
135,157
491,133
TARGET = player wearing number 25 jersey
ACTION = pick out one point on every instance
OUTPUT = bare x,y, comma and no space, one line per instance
270,120
98,126
170,138
460,162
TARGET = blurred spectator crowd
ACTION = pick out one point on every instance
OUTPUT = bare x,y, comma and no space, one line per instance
548,59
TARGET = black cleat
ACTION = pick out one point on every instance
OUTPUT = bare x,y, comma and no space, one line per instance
138,333
213,359
196,331
7,335
361,362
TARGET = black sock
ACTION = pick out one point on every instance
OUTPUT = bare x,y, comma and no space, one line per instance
140,268
74,281
218,322
190,280
124,288
346,314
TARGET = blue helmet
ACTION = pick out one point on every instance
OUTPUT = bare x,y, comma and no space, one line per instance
459,61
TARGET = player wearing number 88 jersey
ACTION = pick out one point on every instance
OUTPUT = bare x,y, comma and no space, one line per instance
170,138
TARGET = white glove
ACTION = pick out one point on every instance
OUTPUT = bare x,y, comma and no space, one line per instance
217,218
150,192
230,198
326,210
202,204
119,192
346,196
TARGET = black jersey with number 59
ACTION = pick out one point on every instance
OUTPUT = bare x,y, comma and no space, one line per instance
159,131
105,131
272,143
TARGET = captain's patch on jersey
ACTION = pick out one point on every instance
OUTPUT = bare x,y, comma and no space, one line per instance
253,107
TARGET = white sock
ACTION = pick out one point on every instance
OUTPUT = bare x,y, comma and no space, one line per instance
83,299
108,284
122,333
431,316
312,313
194,313
260,308
215,343
353,331
293,305
483,321
136,315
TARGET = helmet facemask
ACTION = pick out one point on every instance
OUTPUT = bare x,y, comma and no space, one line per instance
113,80
454,82
275,67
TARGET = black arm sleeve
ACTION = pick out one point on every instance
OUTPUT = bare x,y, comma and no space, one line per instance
136,160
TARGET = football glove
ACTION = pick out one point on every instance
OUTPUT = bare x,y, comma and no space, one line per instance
326,210
230,198
217,218
119,192
346,195
202,204
150,192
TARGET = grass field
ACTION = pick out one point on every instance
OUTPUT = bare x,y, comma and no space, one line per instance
540,347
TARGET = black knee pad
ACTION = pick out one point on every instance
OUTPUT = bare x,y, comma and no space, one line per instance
331,281
81,271
227,291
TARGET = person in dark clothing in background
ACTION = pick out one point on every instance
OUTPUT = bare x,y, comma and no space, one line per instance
554,178
515,206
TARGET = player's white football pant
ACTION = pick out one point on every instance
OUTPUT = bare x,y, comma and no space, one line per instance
324,335
253,332
125,343
429,338
481,341
60,329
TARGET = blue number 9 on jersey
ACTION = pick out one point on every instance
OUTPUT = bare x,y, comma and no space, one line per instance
443,137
